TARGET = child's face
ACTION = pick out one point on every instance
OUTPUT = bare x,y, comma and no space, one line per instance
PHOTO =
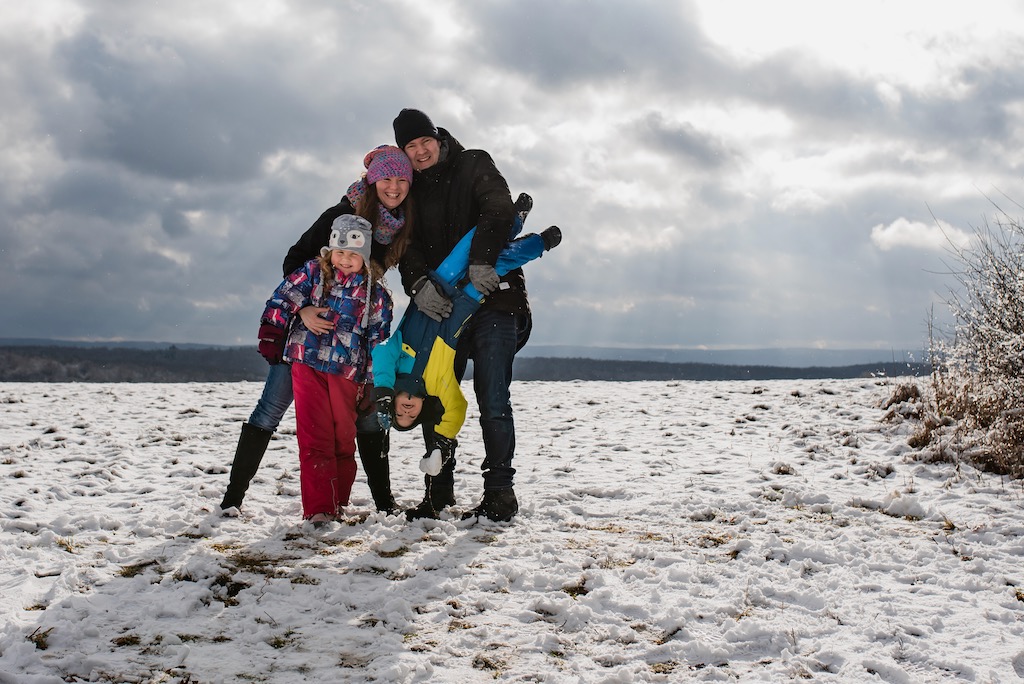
347,262
392,191
407,409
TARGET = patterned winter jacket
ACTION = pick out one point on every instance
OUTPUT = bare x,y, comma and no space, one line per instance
346,349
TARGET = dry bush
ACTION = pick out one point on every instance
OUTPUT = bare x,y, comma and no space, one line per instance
909,403
978,367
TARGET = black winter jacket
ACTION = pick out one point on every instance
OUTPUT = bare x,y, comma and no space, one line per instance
461,191
319,234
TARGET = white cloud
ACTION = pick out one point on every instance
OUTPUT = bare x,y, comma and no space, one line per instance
902,232
798,199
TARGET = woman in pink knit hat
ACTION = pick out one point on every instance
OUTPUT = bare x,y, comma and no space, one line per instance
381,196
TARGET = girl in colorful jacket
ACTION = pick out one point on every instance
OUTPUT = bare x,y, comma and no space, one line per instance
329,369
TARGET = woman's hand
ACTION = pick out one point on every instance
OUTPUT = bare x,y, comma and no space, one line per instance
310,316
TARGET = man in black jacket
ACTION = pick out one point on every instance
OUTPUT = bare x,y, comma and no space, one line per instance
455,189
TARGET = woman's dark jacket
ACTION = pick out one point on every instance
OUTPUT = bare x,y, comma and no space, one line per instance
317,235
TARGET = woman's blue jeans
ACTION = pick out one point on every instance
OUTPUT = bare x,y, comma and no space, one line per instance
276,398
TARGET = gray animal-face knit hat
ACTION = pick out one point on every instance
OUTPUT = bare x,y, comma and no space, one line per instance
352,233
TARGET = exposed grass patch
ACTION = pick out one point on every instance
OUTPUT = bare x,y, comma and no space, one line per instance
305,579
135,568
493,664
667,636
127,640
576,590
67,543
228,589
456,625
283,640
708,541
256,563
40,637
353,662
223,548
611,563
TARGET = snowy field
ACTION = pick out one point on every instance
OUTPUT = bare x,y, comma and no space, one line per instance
719,531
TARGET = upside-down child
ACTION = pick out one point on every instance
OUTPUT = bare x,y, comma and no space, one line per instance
414,370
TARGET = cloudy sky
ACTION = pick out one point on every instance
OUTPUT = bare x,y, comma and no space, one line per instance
727,174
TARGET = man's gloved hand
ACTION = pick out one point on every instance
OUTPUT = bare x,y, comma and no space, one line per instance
385,397
271,346
484,278
431,301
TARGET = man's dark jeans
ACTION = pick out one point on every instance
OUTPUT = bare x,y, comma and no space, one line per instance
491,341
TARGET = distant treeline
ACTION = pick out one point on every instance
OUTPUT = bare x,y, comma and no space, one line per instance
120,364
124,364
623,371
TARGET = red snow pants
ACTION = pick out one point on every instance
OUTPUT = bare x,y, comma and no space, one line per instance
325,426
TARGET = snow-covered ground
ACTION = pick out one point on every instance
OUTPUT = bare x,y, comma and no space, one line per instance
720,531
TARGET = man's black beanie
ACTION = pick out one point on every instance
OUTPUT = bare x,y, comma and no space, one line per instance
411,124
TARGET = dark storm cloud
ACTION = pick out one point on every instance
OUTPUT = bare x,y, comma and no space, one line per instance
181,114
94,189
566,43
682,139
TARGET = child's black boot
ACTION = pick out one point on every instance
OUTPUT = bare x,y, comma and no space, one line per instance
374,457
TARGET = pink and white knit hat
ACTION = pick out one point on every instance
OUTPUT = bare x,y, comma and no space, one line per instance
387,161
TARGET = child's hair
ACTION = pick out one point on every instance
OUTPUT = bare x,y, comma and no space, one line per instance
373,272
369,208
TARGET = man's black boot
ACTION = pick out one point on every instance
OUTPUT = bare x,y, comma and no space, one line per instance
498,505
252,444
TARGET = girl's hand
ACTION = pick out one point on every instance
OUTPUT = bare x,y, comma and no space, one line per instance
310,316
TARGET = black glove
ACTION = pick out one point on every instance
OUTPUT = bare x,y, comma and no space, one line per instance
271,344
552,237
385,397
484,278
442,451
430,301
446,446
